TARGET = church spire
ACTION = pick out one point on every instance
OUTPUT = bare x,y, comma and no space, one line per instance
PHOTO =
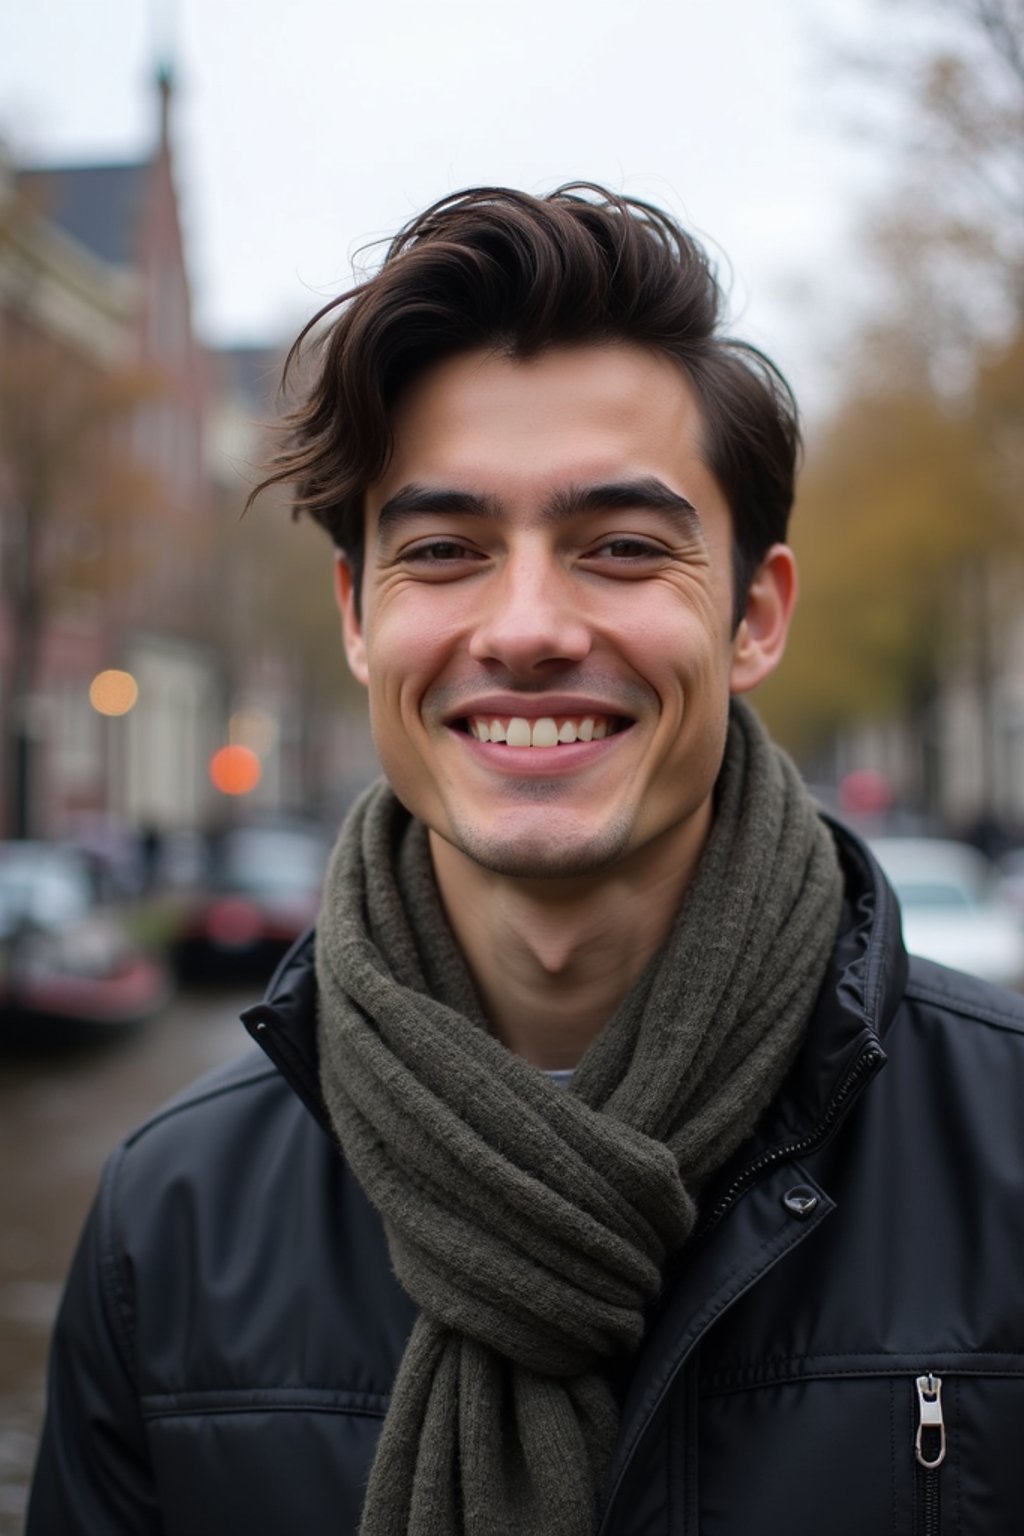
165,85
161,16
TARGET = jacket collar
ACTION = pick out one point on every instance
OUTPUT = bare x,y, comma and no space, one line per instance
863,985
284,1026
842,1049
862,988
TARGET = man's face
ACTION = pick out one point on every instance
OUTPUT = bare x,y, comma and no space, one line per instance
546,628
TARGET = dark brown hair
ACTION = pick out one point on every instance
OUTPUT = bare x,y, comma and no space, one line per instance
497,268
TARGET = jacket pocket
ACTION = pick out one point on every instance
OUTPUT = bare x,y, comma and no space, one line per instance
868,1446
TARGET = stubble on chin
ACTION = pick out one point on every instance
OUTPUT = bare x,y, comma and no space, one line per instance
548,853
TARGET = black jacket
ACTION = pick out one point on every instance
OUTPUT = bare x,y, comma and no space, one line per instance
231,1326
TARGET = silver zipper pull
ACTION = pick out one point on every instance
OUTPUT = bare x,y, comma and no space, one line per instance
929,1402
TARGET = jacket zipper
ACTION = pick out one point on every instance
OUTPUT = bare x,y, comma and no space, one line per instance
865,1065
929,1452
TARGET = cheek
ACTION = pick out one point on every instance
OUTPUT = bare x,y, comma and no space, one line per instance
408,646
676,646
396,634
410,615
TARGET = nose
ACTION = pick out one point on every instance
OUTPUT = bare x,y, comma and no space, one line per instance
531,618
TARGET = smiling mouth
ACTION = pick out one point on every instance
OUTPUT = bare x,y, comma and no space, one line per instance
547,731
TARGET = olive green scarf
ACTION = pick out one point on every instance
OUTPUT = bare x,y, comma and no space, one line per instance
532,1225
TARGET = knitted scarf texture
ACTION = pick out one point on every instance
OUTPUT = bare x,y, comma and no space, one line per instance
530,1224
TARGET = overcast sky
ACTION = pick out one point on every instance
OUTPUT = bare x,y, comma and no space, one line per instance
304,129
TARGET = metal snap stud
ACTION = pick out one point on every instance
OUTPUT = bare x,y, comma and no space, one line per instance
800,1201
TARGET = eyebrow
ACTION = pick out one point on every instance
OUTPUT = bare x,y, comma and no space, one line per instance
646,493
415,500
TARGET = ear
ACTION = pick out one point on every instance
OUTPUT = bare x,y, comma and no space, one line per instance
345,595
760,640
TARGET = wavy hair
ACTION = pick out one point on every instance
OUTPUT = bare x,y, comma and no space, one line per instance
497,268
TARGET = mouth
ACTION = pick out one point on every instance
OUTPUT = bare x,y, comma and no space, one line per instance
545,731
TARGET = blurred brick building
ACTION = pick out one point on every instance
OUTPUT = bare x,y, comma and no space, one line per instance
106,499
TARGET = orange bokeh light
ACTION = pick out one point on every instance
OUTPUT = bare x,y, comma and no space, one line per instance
235,770
113,692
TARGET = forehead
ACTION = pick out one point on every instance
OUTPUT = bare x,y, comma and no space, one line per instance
486,422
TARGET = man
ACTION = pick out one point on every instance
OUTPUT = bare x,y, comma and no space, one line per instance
611,1172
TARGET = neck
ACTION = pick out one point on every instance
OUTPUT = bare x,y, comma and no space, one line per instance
552,959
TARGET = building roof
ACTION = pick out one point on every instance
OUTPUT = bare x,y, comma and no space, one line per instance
100,206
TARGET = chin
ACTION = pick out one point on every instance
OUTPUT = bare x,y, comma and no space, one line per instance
550,852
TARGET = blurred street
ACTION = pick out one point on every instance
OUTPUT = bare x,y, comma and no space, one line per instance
60,1115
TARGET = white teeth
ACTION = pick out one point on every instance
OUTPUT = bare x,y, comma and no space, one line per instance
519,733
545,732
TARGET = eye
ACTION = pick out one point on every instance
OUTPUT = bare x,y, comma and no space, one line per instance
627,549
440,558
631,549
438,552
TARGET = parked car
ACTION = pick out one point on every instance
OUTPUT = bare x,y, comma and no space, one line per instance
1011,876
65,956
953,908
256,890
